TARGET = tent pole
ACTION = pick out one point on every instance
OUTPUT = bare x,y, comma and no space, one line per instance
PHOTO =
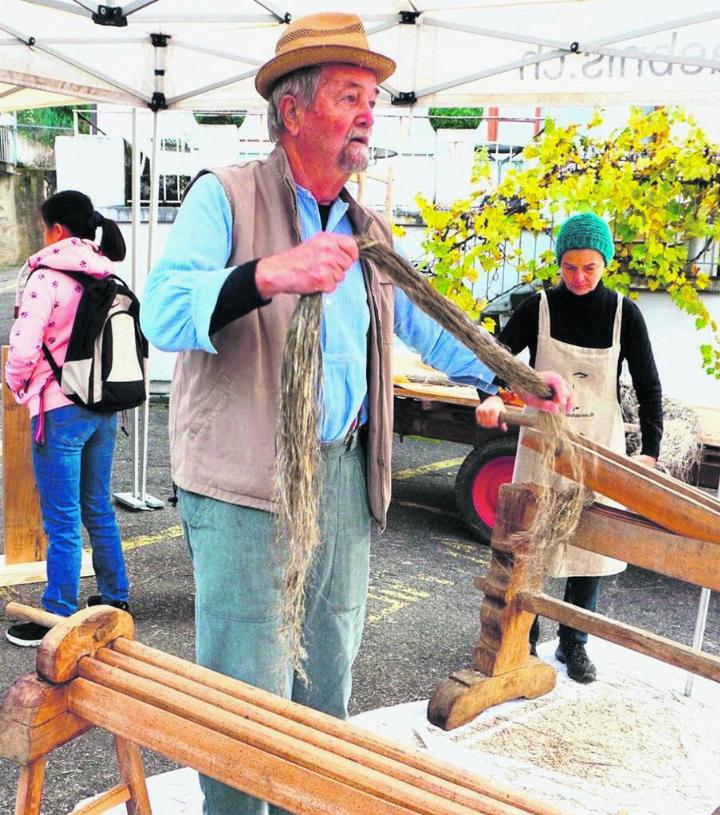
134,500
148,501
135,181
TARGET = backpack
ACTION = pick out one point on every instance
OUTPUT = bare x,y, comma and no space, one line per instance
106,362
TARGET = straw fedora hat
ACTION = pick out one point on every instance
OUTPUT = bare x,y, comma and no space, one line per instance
318,39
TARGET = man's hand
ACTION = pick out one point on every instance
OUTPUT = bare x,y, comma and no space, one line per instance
562,398
317,265
487,414
647,461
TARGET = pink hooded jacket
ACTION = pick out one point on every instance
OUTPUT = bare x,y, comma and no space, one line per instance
46,311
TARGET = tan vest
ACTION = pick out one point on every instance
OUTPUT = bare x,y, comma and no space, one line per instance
592,374
223,407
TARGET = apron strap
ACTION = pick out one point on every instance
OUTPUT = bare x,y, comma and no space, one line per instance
543,315
618,320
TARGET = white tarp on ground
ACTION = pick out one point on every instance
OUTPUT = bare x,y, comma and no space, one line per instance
449,52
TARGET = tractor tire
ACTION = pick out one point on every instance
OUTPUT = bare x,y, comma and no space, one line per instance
478,481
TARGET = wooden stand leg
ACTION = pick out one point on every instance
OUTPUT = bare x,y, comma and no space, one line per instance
30,786
502,666
133,774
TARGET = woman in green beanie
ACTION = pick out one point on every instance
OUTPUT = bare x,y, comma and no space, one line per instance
584,332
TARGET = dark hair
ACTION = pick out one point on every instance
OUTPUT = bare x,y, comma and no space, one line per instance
75,211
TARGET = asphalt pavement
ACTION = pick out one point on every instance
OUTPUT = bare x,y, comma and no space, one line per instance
423,611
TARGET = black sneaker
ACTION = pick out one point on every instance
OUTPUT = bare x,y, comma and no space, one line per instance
26,635
579,666
533,649
96,600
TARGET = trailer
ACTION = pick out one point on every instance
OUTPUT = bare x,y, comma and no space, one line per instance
435,409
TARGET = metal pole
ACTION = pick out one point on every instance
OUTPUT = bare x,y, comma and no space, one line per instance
133,500
148,500
136,171
700,622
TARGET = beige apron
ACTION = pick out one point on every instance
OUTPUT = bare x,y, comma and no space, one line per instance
592,374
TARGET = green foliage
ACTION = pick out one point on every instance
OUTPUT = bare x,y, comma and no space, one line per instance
455,118
220,118
656,181
43,124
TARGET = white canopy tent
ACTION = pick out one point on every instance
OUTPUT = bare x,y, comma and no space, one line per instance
177,54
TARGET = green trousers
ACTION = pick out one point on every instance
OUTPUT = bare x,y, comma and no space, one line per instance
238,571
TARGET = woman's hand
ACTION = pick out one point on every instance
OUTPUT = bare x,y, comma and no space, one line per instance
487,413
561,400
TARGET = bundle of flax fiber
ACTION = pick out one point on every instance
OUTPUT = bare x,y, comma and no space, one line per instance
298,476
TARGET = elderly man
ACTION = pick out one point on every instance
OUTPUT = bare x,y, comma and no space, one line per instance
247,240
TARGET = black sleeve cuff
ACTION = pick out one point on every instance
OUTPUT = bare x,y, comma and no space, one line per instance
238,296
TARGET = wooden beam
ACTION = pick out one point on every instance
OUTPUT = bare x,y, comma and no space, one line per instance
106,800
226,759
80,635
30,787
25,539
326,724
35,719
666,650
628,537
358,753
133,776
274,742
648,492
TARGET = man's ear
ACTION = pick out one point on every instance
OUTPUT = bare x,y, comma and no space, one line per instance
289,113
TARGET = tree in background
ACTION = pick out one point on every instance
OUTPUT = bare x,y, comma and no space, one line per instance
656,181
43,124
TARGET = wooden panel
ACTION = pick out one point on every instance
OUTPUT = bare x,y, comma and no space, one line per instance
630,538
25,539
655,496
666,650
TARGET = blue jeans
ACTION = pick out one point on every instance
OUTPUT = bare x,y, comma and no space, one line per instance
238,573
72,471
581,592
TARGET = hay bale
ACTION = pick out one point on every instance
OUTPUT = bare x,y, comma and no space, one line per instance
681,445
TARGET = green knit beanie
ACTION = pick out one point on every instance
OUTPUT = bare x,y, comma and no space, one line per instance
585,231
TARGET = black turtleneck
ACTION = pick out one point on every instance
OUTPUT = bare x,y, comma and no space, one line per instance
587,321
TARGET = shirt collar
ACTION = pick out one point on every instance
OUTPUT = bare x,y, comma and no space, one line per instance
338,208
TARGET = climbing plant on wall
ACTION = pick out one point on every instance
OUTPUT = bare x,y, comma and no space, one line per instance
656,180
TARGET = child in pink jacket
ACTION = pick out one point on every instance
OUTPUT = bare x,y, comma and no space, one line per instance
72,446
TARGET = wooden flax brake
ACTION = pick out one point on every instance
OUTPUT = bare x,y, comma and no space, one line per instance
670,527
91,672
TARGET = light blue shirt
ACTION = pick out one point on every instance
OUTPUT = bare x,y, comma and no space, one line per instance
183,288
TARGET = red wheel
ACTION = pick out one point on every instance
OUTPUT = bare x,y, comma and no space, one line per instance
478,482
486,485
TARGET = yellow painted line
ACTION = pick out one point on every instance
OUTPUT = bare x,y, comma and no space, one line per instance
413,505
441,581
464,551
157,537
446,464
403,594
